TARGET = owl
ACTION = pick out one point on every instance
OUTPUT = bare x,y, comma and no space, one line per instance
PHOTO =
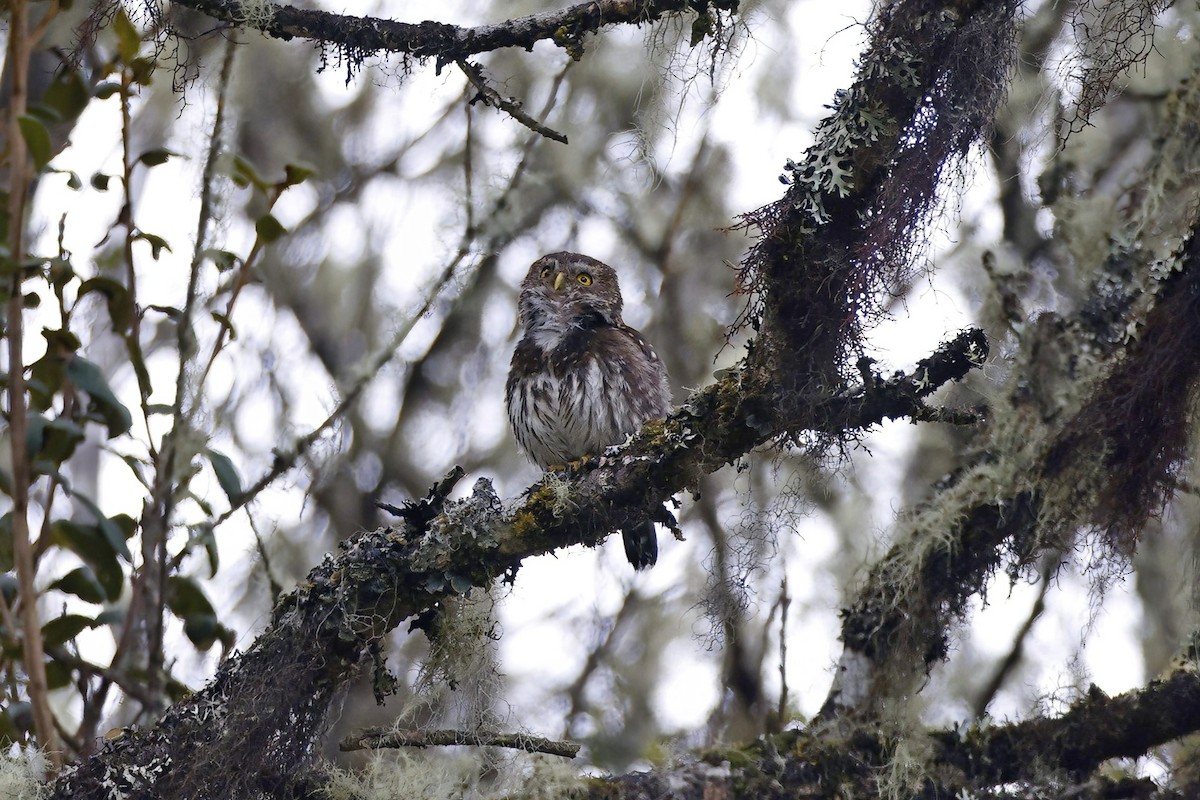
581,379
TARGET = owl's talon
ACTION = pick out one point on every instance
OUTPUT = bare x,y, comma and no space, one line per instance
571,467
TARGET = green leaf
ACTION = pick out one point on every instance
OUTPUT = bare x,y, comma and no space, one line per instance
172,313
93,549
294,174
223,259
101,400
61,630
244,174
157,243
227,474
37,138
67,95
159,155
268,228
208,539
142,70
105,90
186,599
129,40
226,323
116,296
60,439
114,533
113,615
202,630
82,583
52,441
205,506
57,675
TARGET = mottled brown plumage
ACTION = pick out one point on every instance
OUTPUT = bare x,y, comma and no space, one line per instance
581,379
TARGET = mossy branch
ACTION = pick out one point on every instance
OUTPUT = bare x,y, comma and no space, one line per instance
377,738
277,693
962,762
438,40
1095,729
1106,464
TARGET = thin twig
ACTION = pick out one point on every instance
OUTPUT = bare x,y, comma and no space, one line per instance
132,686
284,461
785,600
1017,649
186,336
508,105
599,654
376,738
146,615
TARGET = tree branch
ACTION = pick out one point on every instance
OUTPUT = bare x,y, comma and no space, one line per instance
508,105
279,690
447,43
1094,730
376,738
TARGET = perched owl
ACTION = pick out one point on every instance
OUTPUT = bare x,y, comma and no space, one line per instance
581,379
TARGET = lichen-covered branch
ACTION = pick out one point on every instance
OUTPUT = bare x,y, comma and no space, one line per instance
439,40
977,761
378,738
1095,729
262,714
1107,463
847,235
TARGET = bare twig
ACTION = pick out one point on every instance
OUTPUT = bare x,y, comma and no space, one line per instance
785,600
1017,649
186,336
508,105
599,654
375,738
132,686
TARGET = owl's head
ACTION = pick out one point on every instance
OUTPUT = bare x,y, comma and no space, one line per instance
565,290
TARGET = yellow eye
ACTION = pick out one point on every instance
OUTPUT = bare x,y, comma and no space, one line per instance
546,273
584,279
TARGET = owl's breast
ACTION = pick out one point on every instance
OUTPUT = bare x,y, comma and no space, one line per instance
572,401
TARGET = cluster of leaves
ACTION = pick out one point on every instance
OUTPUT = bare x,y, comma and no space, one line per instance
100,571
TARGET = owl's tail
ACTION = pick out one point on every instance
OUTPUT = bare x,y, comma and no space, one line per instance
641,545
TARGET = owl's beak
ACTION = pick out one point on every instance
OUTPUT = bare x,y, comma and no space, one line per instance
558,280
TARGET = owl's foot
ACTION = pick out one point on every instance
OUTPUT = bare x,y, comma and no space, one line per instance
572,467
